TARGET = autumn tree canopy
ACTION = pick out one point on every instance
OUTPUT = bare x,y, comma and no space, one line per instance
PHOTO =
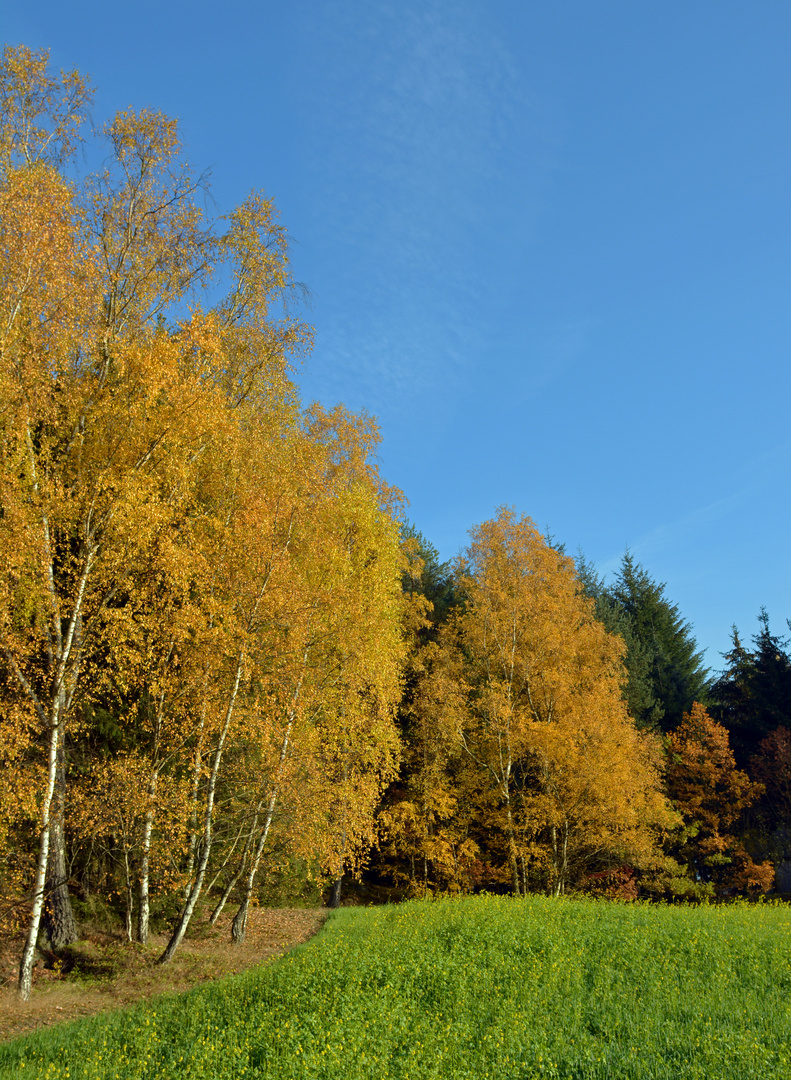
525,700
223,651
185,550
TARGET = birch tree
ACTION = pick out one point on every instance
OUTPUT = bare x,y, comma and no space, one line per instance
575,783
111,392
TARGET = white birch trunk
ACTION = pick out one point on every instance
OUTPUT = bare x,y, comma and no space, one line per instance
239,924
197,885
62,659
29,951
143,905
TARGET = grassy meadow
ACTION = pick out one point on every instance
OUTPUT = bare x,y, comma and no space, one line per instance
486,987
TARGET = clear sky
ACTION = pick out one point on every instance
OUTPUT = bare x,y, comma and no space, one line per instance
548,246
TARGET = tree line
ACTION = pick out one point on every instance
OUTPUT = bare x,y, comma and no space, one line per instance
561,733
221,646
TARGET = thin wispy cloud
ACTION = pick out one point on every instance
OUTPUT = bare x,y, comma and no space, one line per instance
425,107
548,246
691,530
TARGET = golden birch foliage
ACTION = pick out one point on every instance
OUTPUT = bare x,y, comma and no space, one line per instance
19,791
425,840
352,568
40,113
106,412
123,422
39,233
152,240
180,543
321,654
429,823
545,722
108,809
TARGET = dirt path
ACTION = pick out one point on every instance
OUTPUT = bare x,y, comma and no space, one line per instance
109,974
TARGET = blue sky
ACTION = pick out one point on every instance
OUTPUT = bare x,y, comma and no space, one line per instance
548,245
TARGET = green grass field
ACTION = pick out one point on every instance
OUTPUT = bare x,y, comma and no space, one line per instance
482,987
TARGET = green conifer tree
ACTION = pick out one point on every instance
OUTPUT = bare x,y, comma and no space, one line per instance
641,701
666,673
752,696
674,664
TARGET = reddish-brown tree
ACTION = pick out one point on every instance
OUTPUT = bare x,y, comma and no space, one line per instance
711,795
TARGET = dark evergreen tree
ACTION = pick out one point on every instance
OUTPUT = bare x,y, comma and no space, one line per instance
666,672
752,696
644,708
730,697
675,666
770,681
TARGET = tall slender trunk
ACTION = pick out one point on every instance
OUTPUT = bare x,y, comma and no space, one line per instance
206,838
242,863
560,849
60,925
335,891
211,787
239,924
129,896
337,885
144,874
196,776
512,856
29,951
51,718
565,856
426,816
58,922
218,909
143,903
